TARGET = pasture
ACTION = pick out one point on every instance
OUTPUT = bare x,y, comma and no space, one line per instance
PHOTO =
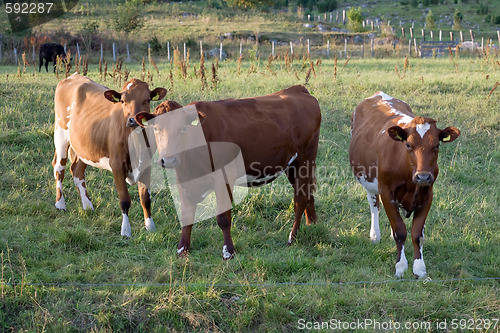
73,272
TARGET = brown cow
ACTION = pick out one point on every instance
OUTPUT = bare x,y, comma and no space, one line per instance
94,123
276,133
394,154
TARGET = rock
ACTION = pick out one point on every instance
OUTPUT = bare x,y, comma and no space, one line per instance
215,52
308,25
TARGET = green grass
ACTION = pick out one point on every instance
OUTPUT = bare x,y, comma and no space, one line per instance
204,293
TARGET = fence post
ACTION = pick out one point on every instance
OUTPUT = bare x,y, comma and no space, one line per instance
498,34
15,55
308,17
423,35
241,47
440,35
472,37
432,35
128,54
411,33
33,52
345,47
101,53
343,17
372,43
272,50
114,52
415,44
64,47
168,51
308,47
403,32
201,49
372,27
220,51
149,51
409,47
451,35
328,48
185,51
291,47
461,37
78,50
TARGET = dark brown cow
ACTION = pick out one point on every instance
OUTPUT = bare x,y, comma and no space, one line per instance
276,133
94,123
394,154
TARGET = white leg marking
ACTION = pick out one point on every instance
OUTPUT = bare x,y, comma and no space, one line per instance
150,225
374,228
290,238
61,204
225,253
418,264
86,204
126,230
402,264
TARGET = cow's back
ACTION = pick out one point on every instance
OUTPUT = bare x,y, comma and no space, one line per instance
370,120
269,129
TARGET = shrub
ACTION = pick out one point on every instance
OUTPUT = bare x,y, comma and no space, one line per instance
429,20
355,18
128,17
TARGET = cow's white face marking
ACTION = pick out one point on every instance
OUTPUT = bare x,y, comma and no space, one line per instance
225,252
129,85
384,96
86,204
423,128
150,225
402,264
126,231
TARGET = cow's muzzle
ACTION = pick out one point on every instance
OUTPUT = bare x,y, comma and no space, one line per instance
169,162
131,122
423,178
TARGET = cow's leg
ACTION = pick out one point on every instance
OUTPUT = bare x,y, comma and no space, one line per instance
59,163
78,171
224,222
398,228
54,60
40,62
300,198
46,65
417,237
374,201
188,210
144,195
119,176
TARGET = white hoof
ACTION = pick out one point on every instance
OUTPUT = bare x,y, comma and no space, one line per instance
126,230
401,265
150,225
375,238
419,268
225,253
61,204
86,204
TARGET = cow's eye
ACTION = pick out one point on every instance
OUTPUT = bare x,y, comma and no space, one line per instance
437,147
122,101
409,147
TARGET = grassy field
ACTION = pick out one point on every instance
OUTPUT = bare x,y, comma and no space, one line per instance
72,272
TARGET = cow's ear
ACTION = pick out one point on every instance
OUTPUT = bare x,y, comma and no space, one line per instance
112,96
449,134
142,117
158,94
397,133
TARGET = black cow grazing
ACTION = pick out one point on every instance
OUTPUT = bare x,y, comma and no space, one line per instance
49,52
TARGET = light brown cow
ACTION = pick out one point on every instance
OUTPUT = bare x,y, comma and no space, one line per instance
277,133
94,123
394,154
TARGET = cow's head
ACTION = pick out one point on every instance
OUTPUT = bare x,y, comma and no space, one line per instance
175,132
422,139
135,98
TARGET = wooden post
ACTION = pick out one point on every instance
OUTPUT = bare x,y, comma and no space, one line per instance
272,48
128,54
409,47
331,17
432,35
411,33
328,48
343,17
168,51
64,47
114,52
15,56
372,44
415,44
345,47
241,47
102,52
220,51
201,49
451,35
184,52
461,37
423,35
372,27
309,17
498,35
33,52
440,35
308,47
149,51
291,47
403,32
482,43
78,50
472,37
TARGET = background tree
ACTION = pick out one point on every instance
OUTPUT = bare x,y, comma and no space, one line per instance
457,20
429,20
355,19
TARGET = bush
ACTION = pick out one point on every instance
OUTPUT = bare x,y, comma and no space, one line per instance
429,20
355,18
127,16
155,44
